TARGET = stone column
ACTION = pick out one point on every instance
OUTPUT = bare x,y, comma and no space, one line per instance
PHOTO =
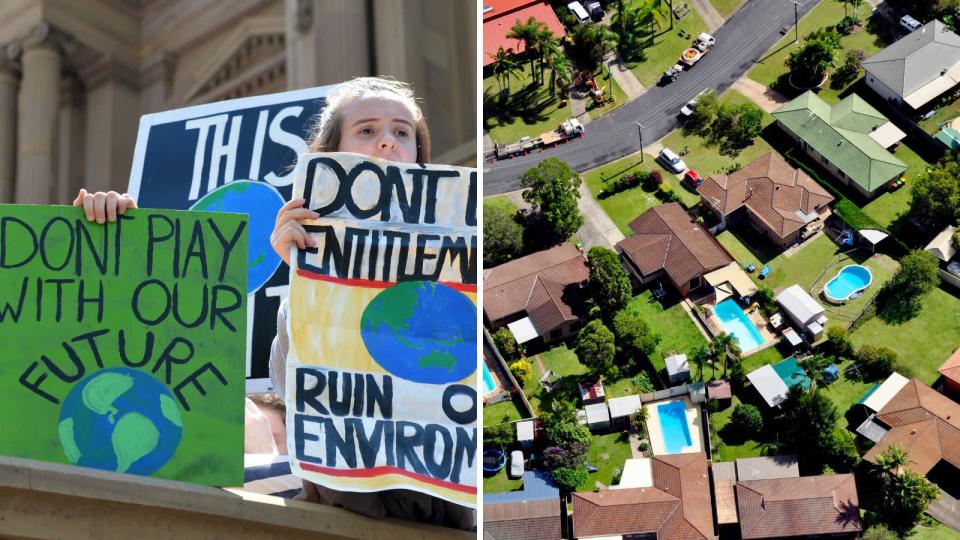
38,109
9,82
70,145
111,121
328,41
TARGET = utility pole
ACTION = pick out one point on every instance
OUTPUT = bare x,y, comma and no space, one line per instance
796,21
640,133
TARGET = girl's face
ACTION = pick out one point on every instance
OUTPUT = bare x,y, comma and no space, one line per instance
380,127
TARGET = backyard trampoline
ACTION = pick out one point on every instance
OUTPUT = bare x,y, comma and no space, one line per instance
493,461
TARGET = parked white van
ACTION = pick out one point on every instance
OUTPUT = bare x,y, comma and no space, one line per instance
672,161
581,14
909,23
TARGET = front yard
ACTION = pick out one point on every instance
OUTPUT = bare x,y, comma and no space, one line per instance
667,43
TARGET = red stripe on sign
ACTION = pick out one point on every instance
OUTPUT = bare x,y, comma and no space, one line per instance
386,469
375,284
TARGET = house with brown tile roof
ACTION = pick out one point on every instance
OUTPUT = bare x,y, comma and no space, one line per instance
783,203
922,422
676,507
795,507
667,241
523,520
543,286
950,370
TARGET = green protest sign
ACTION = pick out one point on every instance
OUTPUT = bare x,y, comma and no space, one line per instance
122,344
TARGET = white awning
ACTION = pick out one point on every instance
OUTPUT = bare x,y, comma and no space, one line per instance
525,430
523,330
887,135
872,235
815,328
930,91
942,244
792,337
735,276
885,392
637,473
769,384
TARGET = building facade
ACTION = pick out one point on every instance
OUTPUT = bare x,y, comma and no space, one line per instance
75,76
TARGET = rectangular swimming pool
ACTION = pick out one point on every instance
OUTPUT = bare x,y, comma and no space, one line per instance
488,384
735,322
673,424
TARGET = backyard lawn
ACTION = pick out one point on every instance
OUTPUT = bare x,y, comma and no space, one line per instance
845,392
729,446
886,208
937,532
499,413
705,158
667,43
499,482
607,453
677,331
925,342
626,205
562,361
529,109
772,66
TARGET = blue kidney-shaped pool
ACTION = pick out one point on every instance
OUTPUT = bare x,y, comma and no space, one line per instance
849,281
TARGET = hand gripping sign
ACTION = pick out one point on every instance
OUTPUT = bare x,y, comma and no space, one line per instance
381,387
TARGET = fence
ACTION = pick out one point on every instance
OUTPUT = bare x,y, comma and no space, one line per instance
666,393
506,370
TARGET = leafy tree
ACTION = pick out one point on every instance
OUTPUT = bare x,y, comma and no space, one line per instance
554,188
502,236
738,376
843,454
609,282
737,126
595,348
767,300
879,532
906,497
876,362
838,341
507,345
807,421
810,62
704,114
521,370
504,67
499,436
723,348
747,419
634,336
902,297
568,478
556,456
700,357
935,196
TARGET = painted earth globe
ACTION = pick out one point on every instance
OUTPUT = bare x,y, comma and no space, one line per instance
422,331
261,202
120,419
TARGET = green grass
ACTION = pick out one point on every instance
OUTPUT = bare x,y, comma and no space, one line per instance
500,201
924,342
499,482
845,392
607,453
890,206
944,114
562,361
705,158
678,333
772,66
726,7
732,448
530,109
626,205
499,413
667,45
936,532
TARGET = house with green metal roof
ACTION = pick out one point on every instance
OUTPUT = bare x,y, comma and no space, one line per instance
849,139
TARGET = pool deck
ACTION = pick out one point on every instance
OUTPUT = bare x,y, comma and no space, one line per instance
497,386
657,444
756,317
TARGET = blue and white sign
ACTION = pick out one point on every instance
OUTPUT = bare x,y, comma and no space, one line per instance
232,156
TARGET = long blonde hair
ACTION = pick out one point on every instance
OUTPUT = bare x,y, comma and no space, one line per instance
329,127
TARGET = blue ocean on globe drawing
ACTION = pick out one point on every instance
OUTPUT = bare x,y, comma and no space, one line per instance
261,202
120,419
422,331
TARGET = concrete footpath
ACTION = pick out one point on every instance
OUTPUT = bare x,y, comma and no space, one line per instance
767,98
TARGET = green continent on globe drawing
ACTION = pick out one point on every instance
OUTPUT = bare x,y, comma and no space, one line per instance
440,359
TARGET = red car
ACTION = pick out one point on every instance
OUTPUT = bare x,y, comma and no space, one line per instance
693,179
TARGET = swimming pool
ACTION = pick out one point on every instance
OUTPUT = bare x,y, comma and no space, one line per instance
735,322
489,385
849,281
673,424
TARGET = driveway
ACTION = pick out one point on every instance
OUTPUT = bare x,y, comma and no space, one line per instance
741,41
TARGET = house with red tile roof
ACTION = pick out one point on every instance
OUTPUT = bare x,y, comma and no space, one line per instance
783,203
676,507
541,292
500,15
925,424
950,370
798,507
667,242
523,520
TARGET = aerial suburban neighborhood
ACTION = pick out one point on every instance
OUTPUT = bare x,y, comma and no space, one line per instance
721,285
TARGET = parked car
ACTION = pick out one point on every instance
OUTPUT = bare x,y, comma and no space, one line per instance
516,464
595,10
692,179
671,74
910,23
581,14
687,109
671,161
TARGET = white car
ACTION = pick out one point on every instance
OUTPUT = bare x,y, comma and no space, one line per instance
672,161
516,464
910,23
687,109
576,8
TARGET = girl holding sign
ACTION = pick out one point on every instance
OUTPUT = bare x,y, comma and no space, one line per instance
373,116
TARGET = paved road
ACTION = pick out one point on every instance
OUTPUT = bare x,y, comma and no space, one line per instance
742,41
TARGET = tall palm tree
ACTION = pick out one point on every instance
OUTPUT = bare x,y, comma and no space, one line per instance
561,71
891,462
723,348
549,51
533,34
504,66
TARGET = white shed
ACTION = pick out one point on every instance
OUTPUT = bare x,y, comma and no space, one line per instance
678,369
525,432
598,416
769,384
802,308
885,392
622,408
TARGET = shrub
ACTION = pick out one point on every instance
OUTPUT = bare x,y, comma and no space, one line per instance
642,382
643,446
507,345
838,342
747,419
876,362
521,369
